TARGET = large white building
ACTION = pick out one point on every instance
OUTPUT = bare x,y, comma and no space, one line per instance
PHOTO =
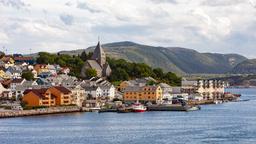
207,89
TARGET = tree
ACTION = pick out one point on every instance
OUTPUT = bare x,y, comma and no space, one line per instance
159,74
119,74
28,75
172,79
84,56
90,73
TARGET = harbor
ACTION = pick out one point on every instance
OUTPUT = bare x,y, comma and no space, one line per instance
222,123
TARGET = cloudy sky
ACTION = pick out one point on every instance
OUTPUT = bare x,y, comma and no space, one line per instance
224,26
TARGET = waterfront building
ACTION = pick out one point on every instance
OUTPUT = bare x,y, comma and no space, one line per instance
211,89
208,89
39,97
98,62
62,94
53,96
152,94
78,95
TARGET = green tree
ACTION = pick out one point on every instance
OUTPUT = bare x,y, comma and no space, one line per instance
159,74
28,75
90,73
119,74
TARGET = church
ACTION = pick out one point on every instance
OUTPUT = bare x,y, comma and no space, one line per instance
97,62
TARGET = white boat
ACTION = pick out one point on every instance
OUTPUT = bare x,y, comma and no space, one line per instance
137,107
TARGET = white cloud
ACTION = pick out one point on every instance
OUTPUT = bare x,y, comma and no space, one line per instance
4,39
53,25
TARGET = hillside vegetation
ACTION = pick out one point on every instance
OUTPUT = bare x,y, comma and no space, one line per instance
178,60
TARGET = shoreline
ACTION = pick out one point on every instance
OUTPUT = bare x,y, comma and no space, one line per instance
37,112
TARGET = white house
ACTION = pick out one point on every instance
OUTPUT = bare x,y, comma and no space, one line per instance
211,89
78,95
108,91
93,91
167,90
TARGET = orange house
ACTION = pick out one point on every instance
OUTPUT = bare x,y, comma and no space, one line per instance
38,97
62,94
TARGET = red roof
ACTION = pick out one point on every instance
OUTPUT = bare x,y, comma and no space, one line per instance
23,58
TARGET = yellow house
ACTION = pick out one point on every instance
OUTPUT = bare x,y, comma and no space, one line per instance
3,75
145,93
41,68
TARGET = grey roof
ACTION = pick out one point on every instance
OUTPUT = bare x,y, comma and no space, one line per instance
94,64
99,55
164,85
91,88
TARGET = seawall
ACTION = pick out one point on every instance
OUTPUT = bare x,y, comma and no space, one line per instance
42,111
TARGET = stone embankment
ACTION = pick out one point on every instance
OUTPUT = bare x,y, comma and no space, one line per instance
42,111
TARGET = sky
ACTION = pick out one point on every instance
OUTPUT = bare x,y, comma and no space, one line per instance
218,26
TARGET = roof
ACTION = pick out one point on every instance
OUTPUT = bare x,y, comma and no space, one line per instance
99,54
91,88
17,80
164,85
23,58
94,64
62,89
39,92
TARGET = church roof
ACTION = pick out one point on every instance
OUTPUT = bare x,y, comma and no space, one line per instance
99,54
94,64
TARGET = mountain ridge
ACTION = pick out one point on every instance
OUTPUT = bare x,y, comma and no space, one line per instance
177,59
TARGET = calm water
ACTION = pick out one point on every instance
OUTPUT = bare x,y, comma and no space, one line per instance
229,123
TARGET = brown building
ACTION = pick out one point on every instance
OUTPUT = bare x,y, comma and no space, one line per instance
38,97
62,94
54,96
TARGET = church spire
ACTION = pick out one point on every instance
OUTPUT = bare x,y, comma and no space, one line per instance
99,55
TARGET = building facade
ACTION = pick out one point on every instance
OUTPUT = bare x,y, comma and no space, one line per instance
146,94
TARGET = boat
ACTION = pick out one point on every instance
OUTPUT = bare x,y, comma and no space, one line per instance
137,107
218,101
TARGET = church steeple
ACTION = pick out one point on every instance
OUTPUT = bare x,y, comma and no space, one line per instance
99,55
